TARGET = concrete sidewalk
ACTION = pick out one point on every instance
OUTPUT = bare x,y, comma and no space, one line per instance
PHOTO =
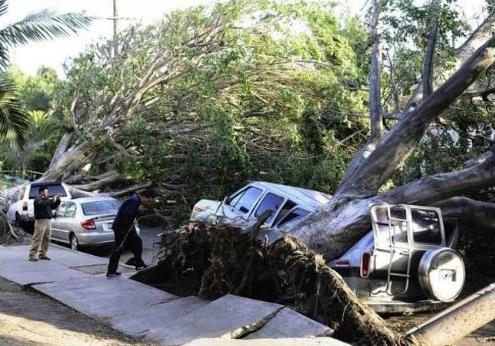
77,280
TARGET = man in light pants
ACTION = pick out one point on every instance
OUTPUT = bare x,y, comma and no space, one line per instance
42,225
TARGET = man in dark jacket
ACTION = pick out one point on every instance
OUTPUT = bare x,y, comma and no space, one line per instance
125,232
43,215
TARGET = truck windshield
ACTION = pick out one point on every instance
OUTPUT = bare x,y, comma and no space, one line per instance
55,189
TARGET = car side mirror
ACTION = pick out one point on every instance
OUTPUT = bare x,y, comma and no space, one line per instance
226,200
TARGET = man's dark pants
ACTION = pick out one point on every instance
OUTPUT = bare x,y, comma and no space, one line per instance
133,242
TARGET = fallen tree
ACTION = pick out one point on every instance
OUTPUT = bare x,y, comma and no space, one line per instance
99,116
213,260
345,218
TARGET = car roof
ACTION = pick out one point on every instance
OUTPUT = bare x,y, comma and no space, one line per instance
93,199
46,183
306,198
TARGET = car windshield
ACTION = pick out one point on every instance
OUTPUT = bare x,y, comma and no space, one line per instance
100,207
53,190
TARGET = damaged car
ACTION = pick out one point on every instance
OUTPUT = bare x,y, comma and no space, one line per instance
407,262
243,207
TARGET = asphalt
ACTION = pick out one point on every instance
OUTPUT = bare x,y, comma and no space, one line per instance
149,235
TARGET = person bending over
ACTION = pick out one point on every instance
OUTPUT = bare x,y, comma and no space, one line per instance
125,233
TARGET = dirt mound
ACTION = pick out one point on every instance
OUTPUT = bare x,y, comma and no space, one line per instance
213,260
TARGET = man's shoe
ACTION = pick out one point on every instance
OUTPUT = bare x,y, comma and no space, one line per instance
112,275
46,258
33,259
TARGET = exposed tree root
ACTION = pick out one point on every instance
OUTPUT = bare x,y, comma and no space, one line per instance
211,261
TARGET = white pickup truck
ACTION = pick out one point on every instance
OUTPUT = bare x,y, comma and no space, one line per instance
21,213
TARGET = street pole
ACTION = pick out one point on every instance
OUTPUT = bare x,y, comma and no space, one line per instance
115,27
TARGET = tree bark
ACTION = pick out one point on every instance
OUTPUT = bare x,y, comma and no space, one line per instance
70,161
479,216
478,38
345,219
374,79
398,144
374,97
445,185
429,55
98,184
130,189
462,319
62,147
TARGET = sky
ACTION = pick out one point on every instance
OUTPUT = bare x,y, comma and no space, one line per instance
53,53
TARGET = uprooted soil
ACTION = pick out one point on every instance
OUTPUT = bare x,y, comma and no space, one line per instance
213,260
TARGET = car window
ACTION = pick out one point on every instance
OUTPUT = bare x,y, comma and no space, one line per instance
61,210
293,215
53,189
270,202
286,208
426,226
70,210
249,197
100,207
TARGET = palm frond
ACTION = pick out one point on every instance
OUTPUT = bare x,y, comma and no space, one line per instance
14,120
41,26
3,7
4,58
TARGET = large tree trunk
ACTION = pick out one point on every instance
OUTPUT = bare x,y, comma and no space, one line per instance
345,218
72,160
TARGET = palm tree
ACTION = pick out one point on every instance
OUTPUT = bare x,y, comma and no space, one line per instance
14,120
43,25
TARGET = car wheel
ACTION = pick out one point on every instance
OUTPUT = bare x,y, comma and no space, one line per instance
74,243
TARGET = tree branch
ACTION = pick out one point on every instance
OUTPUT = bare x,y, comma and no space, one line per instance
445,185
95,185
478,38
405,136
61,147
130,189
430,53
374,78
469,211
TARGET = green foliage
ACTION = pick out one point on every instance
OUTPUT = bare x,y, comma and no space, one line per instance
273,101
13,119
464,134
43,125
404,28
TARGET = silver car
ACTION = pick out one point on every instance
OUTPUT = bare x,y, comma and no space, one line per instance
244,206
85,221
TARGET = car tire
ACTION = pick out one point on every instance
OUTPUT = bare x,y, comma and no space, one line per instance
74,243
